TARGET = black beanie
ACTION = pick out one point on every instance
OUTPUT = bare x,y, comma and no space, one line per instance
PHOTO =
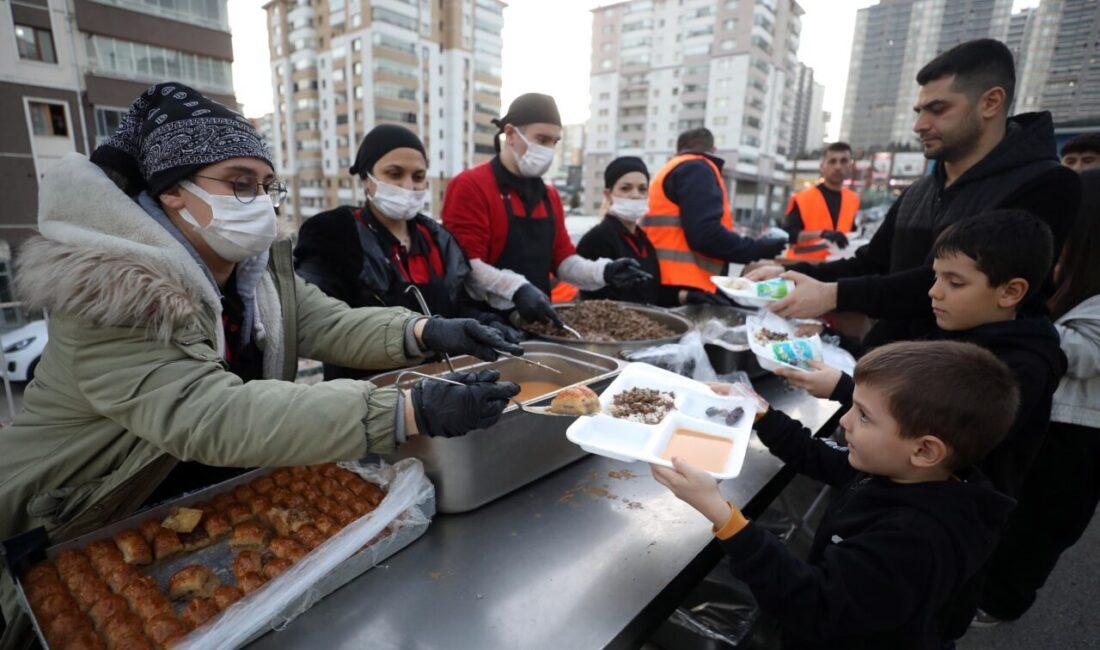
381,140
172,131
621,166
528,108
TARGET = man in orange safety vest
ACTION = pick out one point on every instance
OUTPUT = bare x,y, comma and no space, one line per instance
825,212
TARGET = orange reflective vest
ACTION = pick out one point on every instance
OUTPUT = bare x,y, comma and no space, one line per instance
815,216
681,266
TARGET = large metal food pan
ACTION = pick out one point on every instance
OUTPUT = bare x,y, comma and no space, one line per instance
486,464
674,321
218,556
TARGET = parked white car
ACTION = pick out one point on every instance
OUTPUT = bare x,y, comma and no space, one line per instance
23,348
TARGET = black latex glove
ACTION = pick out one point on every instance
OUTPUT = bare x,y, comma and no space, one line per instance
497,322
465,336
625,273
534,305
696,297
445,411
837,237
770,247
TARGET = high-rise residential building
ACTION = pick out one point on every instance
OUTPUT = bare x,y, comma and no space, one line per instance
1020,26
892,42
1061,70
808,129
660,67
70,70
566,171
341,67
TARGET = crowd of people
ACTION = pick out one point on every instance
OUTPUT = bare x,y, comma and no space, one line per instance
177,316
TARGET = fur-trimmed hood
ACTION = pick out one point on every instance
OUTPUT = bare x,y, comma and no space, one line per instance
101,258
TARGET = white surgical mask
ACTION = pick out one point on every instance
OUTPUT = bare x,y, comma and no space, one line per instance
396,202
237,230
628,209
536,160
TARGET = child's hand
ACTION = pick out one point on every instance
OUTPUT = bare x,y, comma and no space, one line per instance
739,389
694,487
820,382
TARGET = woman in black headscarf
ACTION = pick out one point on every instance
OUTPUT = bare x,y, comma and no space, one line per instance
371,255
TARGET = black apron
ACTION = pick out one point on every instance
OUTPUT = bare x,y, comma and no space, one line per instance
529,248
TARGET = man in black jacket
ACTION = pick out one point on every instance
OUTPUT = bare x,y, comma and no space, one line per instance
984,161
912,521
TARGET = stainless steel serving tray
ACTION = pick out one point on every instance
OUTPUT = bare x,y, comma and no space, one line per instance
486,464
674,321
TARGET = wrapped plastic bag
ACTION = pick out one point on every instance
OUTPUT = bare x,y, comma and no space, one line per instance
288,595
685,358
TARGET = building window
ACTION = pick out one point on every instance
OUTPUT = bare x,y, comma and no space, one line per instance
606,64
129,60
728,45
48,119
35,44
106,122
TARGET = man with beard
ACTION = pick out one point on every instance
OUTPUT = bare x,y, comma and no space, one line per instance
984,160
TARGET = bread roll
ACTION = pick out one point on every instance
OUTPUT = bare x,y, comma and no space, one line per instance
163,627
199,611
183,520
134,548
193,580
226,595
575,400
275,566
166,544
249,535
247,562
250,582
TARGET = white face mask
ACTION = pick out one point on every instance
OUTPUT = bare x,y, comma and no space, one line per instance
628,209
396,202
536,161
237,230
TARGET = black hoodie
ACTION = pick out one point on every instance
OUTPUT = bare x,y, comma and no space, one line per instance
1030,348
888,279
887,561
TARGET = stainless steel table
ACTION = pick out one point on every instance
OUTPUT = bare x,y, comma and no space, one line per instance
594,555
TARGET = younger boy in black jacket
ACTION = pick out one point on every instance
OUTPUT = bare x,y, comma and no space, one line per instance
912,521
986,268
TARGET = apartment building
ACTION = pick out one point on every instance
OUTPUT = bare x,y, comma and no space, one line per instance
340,67
660,67
892,42
69,70
1061,71
808,130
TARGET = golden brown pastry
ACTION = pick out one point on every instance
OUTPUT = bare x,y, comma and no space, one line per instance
311,494
152,605
238,514
221,502
78,579
101,550
91,592
199,611
279,496
250,582
247,562
118,579
226,595
193,580
329,470
166,544
132,641
182,520
298,486
367,490
287,549
139,588
196,539
205,507
63,627
326,505
39,591
285,520
282,476
53,604
258,505
275,566
344,497
134,548
346,477
120,627
249,535
71,560
262,485
161,628
107,606
217,526
344,516
244,494
575,400
41,573
327,526
360,506
149,529
330,488
309,536
86,639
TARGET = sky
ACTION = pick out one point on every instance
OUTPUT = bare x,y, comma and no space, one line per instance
547,46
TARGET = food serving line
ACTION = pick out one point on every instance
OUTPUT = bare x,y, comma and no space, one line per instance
593,553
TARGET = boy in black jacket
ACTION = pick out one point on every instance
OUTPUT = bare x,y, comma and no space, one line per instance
912,522
986,268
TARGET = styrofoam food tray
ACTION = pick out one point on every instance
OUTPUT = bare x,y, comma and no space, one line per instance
746,295
764,354
633,441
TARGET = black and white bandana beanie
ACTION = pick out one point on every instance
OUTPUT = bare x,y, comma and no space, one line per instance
171,132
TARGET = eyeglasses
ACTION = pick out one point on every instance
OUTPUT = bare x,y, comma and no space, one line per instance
247,191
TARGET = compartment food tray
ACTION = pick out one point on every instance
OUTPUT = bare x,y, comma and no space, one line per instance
743,291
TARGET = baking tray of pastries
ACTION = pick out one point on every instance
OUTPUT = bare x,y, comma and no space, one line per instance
150,579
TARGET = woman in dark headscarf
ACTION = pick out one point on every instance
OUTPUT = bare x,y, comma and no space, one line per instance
369,256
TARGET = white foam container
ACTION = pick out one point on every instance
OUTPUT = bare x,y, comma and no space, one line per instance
764,354
629,441
744,296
